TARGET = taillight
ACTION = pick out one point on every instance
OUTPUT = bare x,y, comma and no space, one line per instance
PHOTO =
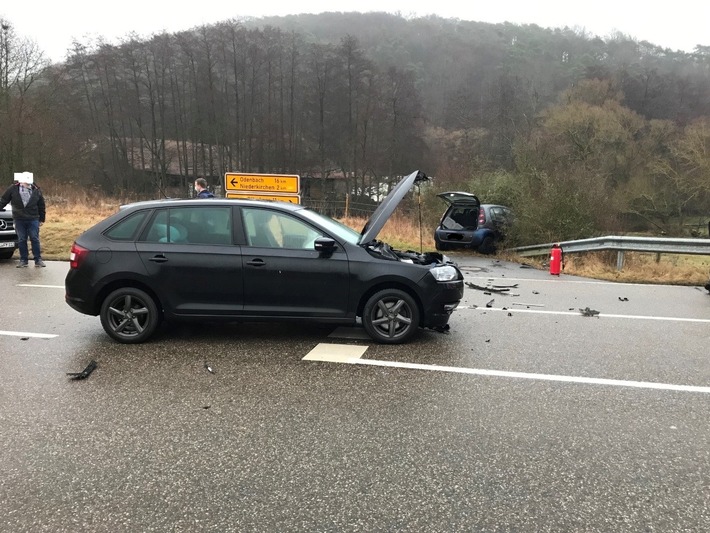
481,217
77,255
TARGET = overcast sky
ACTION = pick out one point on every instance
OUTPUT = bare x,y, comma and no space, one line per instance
53,24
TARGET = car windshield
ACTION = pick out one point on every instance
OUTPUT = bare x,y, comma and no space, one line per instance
333,226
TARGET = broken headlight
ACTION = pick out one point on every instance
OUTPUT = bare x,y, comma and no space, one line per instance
444,273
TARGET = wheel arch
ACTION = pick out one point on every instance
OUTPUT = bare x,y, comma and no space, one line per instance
487,242
390,285
122,283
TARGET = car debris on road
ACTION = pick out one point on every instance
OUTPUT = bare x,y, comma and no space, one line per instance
84,373
589,312
499,289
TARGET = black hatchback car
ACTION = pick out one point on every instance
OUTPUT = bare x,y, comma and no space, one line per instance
249,260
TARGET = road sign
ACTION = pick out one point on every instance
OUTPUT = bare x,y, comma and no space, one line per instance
292,198
263,183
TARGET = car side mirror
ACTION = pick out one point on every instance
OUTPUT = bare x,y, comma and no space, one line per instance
324,245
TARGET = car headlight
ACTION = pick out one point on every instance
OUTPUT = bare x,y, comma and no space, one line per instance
444,273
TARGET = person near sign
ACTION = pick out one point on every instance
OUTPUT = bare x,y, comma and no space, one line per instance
28,212
201,188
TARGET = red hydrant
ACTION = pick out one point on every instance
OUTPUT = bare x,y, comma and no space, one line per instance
556,261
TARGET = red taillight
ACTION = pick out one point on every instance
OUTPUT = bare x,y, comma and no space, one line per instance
77,256
481,216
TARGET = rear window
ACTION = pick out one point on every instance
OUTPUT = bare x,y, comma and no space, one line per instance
191,225
126,229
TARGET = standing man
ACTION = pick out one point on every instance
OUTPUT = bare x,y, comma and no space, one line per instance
28,213
201,188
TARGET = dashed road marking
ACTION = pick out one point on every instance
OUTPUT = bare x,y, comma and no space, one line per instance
335,353
27,334
41,286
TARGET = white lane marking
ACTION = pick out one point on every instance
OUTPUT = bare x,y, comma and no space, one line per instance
27,334
41,286
554,279
335,353
577,313
339,358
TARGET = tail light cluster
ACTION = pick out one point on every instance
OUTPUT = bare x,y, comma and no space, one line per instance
481,216
77,255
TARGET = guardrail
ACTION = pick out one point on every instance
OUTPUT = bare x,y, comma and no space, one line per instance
658,245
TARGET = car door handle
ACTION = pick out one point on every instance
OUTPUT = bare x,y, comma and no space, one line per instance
158,258
256,262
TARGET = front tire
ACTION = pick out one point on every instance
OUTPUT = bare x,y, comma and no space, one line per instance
391,316
129,315
6,253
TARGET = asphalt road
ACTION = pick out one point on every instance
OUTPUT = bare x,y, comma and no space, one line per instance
526,417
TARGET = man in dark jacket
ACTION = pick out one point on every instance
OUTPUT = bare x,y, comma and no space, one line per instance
201,188
28,212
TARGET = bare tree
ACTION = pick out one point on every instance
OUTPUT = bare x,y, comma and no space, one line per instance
21,64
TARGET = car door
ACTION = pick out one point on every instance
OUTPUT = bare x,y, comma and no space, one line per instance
284,275
192,262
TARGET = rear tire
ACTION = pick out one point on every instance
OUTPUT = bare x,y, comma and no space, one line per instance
129,315
391,316
488,246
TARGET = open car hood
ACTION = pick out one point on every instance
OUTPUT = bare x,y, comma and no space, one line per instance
460,198
379,218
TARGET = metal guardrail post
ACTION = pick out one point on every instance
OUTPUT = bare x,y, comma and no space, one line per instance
619,260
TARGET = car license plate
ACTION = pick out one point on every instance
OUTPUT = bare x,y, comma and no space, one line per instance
7,244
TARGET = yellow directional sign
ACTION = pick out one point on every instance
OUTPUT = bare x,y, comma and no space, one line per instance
263,183
292,198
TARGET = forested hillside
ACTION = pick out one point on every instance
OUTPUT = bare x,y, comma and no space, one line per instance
580,135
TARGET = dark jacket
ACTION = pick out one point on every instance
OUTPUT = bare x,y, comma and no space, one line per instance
205,194
34,210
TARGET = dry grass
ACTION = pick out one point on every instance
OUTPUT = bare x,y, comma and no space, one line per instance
67,221
399,232
638,267
643,268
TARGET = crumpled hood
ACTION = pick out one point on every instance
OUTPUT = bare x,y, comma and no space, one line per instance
385,251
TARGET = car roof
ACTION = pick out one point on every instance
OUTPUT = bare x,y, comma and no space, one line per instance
182,202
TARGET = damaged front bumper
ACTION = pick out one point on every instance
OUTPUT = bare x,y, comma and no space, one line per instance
440,308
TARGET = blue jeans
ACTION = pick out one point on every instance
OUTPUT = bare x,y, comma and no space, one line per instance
28,228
